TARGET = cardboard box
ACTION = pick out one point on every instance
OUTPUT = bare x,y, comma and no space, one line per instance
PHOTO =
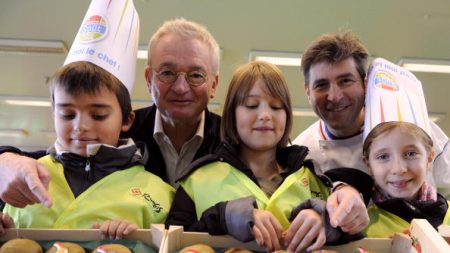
426,239
444,231
178,239
423,239
154,237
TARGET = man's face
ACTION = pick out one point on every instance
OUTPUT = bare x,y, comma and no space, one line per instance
336,92
179,102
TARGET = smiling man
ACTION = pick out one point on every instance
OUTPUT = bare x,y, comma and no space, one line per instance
334,67
182,75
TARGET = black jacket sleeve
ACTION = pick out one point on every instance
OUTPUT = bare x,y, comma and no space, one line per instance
183,213
356,178
34,154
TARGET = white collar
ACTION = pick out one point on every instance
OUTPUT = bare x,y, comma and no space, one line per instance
159,128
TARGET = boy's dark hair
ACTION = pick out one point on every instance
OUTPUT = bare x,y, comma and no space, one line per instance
334,48
85,77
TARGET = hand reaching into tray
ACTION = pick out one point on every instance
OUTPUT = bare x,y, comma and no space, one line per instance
115,229
267,230
5,222
305,232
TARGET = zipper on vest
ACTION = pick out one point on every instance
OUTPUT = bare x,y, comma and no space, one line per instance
88,169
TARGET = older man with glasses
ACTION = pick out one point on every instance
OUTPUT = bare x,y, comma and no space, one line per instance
182,74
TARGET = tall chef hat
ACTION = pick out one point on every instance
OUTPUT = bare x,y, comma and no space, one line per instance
394,94
108,37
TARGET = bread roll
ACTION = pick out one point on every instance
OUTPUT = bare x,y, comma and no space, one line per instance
237,250
71,248
117,248
21,245
362,250
197,248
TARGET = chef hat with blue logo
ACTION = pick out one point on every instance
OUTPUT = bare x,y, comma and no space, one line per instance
109,38
394,94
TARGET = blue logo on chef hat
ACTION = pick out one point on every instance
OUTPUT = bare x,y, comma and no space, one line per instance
93,29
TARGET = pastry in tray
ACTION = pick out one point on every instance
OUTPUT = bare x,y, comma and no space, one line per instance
68,247
237,250
116,248
21,245
361,250
197,248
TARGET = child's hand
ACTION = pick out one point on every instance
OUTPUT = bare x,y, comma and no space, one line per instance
115,229
307,229
267,230
5,222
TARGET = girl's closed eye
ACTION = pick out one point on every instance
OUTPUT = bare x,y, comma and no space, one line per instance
277,106
251,103
251,106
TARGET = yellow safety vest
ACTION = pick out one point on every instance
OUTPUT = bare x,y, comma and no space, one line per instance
133,194
219,181
446,220
384,224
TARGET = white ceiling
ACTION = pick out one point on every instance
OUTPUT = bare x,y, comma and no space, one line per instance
390,29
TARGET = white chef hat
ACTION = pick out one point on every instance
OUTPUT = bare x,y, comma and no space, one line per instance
394,94
109,38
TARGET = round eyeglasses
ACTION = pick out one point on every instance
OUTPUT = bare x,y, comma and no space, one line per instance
193,78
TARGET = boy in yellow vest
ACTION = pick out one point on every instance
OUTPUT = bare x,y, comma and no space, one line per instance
97,179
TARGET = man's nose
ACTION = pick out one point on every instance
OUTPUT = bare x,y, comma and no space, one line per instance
181,84
335,93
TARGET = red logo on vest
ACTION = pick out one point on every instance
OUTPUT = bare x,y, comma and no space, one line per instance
136,191
305,182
